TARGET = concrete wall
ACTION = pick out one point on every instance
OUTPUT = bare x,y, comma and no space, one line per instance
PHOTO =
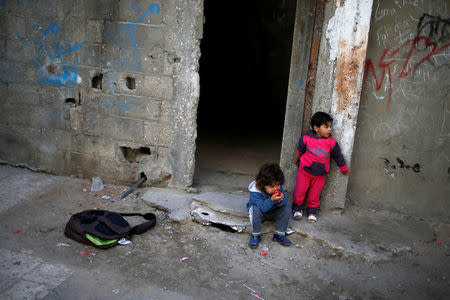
401,158
105,88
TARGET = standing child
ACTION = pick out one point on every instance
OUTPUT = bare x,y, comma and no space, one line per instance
313,158
268,202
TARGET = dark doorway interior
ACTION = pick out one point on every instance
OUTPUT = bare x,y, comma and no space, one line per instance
244,72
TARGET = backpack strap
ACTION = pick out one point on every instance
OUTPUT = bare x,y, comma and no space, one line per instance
141,228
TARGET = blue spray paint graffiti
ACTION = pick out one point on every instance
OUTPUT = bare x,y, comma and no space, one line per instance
129,32
50,53
17,1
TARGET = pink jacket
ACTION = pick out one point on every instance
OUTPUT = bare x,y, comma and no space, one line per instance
316,152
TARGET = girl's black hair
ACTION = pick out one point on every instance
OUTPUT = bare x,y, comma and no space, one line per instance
270,173
320,118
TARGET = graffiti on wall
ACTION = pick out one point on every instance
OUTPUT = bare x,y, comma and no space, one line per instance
49,55
434,27
128,33
431,41
387,59
401,165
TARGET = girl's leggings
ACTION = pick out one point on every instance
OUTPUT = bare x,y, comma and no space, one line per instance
307,183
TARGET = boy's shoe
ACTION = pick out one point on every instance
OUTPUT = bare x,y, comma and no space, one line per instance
254,241
298,214
281,239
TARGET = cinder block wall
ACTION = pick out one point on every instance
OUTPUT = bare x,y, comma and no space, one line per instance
100,88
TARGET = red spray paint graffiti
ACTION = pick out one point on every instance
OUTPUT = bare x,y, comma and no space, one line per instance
385,65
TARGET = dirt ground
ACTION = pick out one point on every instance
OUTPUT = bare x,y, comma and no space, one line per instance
216,265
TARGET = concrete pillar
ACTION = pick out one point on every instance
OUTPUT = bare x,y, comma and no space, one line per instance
339,81
301,45
184,42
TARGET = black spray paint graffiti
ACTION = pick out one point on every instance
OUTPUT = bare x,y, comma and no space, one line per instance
435,28
401,165
437,31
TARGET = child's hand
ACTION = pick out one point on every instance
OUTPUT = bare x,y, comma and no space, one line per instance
297,159
347,172
277,198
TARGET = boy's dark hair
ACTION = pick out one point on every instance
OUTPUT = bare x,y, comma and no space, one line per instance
320,118
269,174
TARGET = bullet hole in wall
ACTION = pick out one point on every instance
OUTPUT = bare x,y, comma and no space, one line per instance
131,83
135,155
97,81
51,69
70,100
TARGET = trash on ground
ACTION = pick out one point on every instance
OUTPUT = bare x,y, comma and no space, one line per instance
440,242
289,231
183,259
63,245
124,241
84,253
97,184
106,197
263,253
16,231
249,288
143,178
116,291
256,296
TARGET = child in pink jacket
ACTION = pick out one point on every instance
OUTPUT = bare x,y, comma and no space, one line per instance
314,151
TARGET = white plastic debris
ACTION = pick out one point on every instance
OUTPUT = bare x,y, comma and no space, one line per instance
97,184
124,241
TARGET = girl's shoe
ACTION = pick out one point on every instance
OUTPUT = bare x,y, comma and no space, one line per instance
312,219
298,214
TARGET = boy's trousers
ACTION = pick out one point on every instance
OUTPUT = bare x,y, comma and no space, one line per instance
307,183
279,215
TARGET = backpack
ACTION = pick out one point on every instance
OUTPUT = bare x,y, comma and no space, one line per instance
103,229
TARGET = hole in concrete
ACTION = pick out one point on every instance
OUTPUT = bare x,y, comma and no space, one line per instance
131,83
51,69
223,227
70,100
205,213
97,81
135,155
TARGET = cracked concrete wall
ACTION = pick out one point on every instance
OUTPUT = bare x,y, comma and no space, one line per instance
101,88
339,77
401,153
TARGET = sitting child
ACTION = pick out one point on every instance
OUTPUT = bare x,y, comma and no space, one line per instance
268,202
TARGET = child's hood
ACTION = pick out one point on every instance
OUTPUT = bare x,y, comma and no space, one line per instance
252,187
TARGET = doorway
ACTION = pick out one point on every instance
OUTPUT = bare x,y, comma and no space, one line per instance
244,74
